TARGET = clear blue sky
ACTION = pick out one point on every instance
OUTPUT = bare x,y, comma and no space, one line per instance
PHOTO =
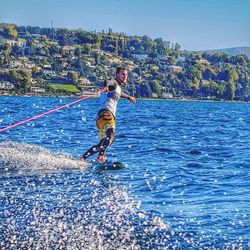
194,24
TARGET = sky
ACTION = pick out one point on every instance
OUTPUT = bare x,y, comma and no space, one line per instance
194,24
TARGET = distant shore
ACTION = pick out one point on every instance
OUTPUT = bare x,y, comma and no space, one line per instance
192,100
183,99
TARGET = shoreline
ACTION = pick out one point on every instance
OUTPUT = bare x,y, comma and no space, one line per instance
141,99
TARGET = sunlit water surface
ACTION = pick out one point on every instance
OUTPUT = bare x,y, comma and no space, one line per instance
186,185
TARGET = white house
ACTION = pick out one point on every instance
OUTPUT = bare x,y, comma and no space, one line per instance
6,85
37,90
17,43
175,69
167,95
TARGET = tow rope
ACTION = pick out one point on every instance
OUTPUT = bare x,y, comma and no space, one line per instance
50,111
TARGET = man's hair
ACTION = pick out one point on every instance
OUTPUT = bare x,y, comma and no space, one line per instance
120,69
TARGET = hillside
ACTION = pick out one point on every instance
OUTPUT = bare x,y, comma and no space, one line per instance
43,61
231,51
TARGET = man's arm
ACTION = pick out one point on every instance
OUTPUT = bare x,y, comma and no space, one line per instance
130,98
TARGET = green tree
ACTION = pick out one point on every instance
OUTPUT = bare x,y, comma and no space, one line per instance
233,75
86,49
195,85
209,74
6,53
79,63
160,46
78,52
143,90
231,89
155,86
10,31
25,84
73,77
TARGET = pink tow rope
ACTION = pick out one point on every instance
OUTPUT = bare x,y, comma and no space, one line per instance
50,111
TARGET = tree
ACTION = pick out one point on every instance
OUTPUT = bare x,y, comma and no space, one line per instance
209,74
72,77
143,90
233,75
160,46
10,31
25,84
86,49
231,89
6,52
195,85
155,86
78,52
78,63
177,47
97,58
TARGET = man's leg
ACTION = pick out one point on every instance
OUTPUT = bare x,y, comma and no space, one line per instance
106,143
93,150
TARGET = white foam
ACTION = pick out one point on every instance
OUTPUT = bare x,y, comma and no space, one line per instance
21,157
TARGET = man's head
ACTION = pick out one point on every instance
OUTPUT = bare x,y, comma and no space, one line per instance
121,75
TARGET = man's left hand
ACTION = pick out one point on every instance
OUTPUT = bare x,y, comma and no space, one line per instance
132,99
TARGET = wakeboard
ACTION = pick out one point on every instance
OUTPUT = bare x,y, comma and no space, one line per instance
110,165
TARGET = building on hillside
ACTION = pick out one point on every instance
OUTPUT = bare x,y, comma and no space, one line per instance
15,43
98,51
202,61
167,95
49,72
15,64
70,50
84,81
155,95
37,90
174,69
204,82
6,85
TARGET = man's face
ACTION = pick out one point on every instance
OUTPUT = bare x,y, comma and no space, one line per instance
122,76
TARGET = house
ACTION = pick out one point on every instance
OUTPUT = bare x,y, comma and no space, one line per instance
98,51
68,50
154,95
37,90
33,81
203,61
17,43
6,85
175,69
204,82
15,64
167,95
47,66
84,81
49,72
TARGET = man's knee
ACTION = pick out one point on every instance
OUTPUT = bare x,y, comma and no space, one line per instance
110,132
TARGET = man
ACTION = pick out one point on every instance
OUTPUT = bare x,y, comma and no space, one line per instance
106,115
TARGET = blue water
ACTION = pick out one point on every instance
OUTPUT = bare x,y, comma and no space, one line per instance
186,185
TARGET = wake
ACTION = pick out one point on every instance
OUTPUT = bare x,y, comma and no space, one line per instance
25,158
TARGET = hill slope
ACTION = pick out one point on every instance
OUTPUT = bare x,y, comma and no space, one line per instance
231,51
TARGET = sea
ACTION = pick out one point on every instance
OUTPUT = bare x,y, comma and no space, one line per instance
186,184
